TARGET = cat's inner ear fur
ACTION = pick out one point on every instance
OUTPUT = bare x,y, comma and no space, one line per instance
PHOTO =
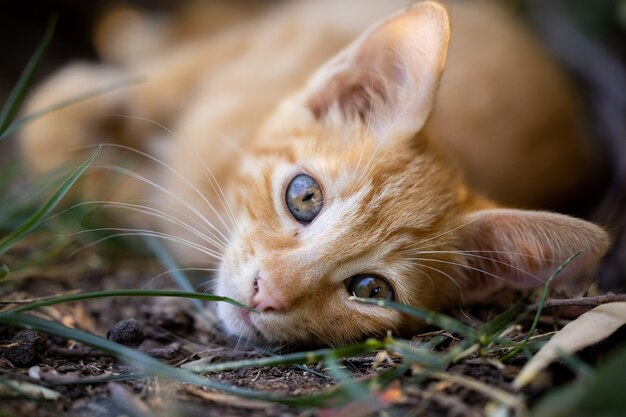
388,77
518,249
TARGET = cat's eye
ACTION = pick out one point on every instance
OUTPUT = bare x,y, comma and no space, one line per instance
304,198
370,286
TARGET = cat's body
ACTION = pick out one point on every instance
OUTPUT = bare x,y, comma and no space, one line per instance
395,206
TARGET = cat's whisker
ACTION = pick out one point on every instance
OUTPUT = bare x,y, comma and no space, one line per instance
141,232
432,282
467,317
454,229
501,262
323,339
455,282
169,271
191,221
203,287
498,252
364,176
400,115
173,171
239,339
212,180
222,238
215,185
390,128
369,123
183,215
207,285
482,271
150,211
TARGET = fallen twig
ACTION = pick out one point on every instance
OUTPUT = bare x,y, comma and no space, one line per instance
580,301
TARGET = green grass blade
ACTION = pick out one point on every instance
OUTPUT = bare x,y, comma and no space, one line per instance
502,321
542,300
16,98
123,293
430,317
370,345
48,206
17,124
422,356
18,206
8,173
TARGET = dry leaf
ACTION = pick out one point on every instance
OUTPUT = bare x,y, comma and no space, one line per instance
588,329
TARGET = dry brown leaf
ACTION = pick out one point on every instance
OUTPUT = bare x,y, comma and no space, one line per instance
588,329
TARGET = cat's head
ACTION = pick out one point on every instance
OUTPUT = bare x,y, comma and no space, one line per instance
341,194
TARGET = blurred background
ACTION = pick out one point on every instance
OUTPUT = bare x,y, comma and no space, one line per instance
588,37
22,23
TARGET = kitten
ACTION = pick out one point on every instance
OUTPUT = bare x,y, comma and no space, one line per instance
376,175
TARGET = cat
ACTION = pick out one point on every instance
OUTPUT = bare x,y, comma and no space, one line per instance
313,158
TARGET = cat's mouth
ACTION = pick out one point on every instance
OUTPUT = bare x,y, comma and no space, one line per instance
247,322
245,318
251,324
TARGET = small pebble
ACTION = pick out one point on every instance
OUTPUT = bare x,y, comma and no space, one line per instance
127,332
29,344
34,372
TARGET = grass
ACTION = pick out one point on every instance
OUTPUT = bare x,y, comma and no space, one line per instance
411,361
18,94
38,216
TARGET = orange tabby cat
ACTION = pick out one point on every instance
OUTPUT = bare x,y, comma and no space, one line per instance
376,175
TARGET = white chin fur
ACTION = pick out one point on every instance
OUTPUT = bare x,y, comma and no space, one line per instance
232,323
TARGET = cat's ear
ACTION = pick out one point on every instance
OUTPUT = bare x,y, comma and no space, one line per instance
387,78
518,249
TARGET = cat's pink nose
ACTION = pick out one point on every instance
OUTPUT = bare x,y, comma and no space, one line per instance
265,298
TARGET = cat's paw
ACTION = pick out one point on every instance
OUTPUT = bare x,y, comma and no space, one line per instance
62,134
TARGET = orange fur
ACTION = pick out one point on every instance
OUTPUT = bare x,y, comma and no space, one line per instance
404,155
